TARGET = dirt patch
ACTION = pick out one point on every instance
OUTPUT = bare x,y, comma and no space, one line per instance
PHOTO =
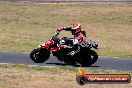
21,77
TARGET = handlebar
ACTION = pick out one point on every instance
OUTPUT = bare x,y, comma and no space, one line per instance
93,44
56,33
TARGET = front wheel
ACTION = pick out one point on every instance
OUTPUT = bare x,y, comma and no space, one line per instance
89,58
39,55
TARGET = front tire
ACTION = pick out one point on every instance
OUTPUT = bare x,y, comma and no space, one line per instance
89,58
39,55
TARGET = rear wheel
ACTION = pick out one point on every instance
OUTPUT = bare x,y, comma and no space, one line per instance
39,55
89,58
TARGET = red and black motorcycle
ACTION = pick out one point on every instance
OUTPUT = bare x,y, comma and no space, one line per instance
85,56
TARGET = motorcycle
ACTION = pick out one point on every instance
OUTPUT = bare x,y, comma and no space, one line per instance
61,48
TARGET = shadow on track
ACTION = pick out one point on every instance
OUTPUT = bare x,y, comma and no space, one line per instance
63,64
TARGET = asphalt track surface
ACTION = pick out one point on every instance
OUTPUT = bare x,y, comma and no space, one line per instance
107,63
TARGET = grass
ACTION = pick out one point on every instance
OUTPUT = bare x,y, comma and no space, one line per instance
16,76
23,26
40,68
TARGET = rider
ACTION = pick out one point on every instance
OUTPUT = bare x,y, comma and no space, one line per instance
79,37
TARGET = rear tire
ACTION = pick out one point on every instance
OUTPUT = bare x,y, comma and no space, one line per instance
89,58
39,55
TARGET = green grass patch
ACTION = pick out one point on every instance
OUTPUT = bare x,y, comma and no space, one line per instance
60,69
40,68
